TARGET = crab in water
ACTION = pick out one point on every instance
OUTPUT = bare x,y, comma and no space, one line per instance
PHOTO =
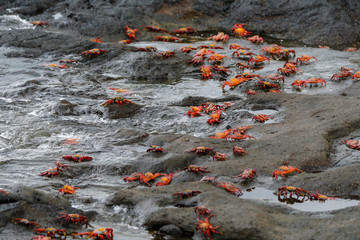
320,197
51,232
100,233
165,179
258,60
187,194
304,59
194,111
196,169
52,172
299,192
206,72
202,150
247,175
285,169
63,66
217,58
220,37
4,192
166,54
262,117
243,66
77,158
155,29
25,222
117,100
230,187
73,219
166,39
356,76
315,80
239,151
156,149
187,49
233,82
220,157
146,49
186,30
351,143
130,33
40,23
93,52
206,227
239,31
256,39
68,189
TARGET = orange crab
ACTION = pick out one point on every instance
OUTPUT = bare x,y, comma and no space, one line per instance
206,72
187,194
100,233
155,29
258,60
299,192
283,54
221,69
202,150
220,37
4,192
25,222
247,175
243,66
315,80
203,211
119,90
215,117
234,82
63,66
220,157
256,39
125,41
275,77
117,100
194,111
217,58
147,177
52,172
133,177
344,73
68,189
239,31
350,49
146,49
197,60
222,135
93,52
262,117
202,52
186,30
268,85
298,83
285,169
130,33
73,219
166,39
51,232
356,76
239,47
210,46
353,144
304,59
239,151
230,187
196,169
251,92
243,54
187,49
320,197
77,158
156,149
166,54
97,40
165,179
270,50
206,227
286,71
40,23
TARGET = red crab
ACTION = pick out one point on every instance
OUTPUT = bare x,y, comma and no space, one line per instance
125,41
356,76
146,49
220,37
220,157
119,90
147,177
215,117
3,191
156,149
275,77
221,135
270,50
166,54
267,85
187,194
344,73
320,197
353,144
202,150
247,176
194,111
284,54
187,49
238,47
249,76
52,172
68,189
243,66
68,61
202,52
299,192
40,23
210,46
202,211
256,39
100,233
186,30
197,60
286,71
221,69
250,92
73,219
239,31
304,59
239,151
133,177
258,60
285,169
130,33
206,227
350,49
230,187
166,39
241,129
117,100
298,83
217,58
165,179
206,72
77,158
262,117
97,40
25,222
63,66
196,169
93,52
315,80
234,82
237,136
51,232
243,54
155,29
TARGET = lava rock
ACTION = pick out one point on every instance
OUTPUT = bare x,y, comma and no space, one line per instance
116,111
64,108
171,229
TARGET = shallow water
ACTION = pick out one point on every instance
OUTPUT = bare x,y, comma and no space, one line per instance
32,138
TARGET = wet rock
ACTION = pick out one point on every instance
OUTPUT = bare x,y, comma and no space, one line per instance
116,111
171,229
64,108
197,100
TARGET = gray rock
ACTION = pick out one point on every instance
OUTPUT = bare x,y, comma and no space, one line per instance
171,229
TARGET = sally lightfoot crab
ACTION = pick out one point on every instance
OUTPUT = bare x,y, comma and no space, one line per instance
351,143
187,194
247,175
73,219
288,191
25,222
156,149
77,158
100,233
206,227
202,150
117,100
196,169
